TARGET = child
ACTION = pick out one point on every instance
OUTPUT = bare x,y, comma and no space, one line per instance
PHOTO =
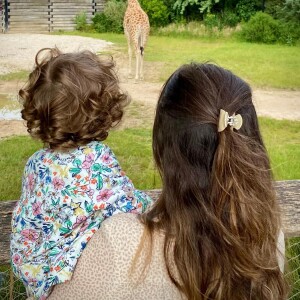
70,102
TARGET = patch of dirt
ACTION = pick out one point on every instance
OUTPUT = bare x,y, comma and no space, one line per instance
279,104
12,127
17,51
10,87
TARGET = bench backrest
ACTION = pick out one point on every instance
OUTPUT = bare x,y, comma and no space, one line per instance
288,196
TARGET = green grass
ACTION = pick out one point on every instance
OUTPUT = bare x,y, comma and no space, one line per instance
14,154
20,75
264,66
293,258
261,65
133,150
282,140
19,290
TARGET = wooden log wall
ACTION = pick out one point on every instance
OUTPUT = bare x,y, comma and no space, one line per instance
288,196
43,16
63,13
1,16
99,5
28,16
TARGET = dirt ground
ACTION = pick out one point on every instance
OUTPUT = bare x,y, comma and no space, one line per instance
279,104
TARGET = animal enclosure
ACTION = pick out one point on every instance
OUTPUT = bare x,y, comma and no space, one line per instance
45,16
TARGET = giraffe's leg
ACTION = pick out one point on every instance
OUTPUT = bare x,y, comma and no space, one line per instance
142,67
142,47
137,66
130,58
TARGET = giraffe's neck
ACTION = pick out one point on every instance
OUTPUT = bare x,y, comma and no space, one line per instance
133,3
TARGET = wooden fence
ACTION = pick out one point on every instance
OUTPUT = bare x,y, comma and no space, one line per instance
288,195
2,16
44,16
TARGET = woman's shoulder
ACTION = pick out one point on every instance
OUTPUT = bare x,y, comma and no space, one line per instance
119,227
114,243
123,219
106,269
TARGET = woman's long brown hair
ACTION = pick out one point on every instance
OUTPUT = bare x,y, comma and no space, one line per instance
218,207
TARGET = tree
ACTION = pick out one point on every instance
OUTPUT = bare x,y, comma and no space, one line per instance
181,5
291,11
207,5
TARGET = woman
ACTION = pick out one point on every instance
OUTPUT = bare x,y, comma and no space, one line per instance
213,233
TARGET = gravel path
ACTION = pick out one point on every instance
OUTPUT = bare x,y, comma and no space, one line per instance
17,51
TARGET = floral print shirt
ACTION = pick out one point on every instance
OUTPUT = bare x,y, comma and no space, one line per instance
65,197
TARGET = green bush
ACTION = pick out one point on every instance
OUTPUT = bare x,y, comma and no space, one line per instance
157,12
274,8
291,11
81,21
173,15
101,23
111,19
289,33
230,19
261,28
288,14
220,21
290,22
245,9
211,21
285,10
182,7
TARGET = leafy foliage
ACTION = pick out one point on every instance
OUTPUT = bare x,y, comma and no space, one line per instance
230,19
157,12
274,8
101,22
204,6
211,21
181,5
81,21
290,21
207,5
172,13
111,19
261,28
289,33
291,11
245,9
280,23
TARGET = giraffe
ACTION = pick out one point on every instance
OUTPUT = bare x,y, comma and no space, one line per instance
136,28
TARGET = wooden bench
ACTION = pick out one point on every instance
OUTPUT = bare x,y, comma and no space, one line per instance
288,196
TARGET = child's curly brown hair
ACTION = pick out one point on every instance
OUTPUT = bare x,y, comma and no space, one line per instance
71,99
